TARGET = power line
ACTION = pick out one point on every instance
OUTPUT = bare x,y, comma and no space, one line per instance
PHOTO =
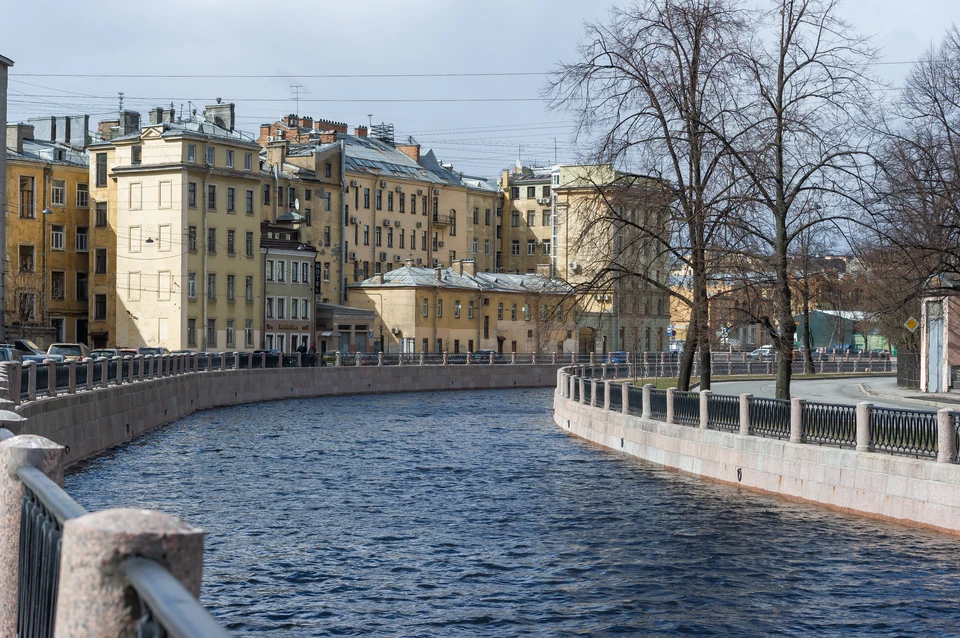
282,75
324,100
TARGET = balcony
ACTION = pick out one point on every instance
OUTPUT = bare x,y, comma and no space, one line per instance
439,219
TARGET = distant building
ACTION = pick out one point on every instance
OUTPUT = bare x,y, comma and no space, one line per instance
288,288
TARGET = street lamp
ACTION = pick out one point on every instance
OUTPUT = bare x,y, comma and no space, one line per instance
43,238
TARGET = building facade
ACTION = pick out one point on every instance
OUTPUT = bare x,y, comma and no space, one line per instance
289,305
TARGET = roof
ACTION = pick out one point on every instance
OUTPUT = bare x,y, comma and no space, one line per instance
418,277
193,127
6,61
50,152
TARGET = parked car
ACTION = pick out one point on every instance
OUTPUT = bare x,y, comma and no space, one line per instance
152,351
32,352
617,357
69,351
9,353
879,354
763,353
104,353
483,356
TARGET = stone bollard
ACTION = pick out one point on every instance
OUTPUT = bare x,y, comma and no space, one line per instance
89,363
533,358
863,427
705,408
299,359
468,357
645,410
607,386
553,359
357,359
745,414
422,358
603,371
119,378
104,371
593,392
72,376
236,360
592,358
625,398
490,360
444,357
94,599
670,393
946,437
31,380
513,358
280,359
797,406
223,360
250,360
583,389
46,456
14,381
379,359
51,378
571,389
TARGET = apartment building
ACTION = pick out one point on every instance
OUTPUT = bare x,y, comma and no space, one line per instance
180,197
461,310
48,229
289,292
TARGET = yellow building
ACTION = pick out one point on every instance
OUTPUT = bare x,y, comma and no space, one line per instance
182,199
461,310
48,229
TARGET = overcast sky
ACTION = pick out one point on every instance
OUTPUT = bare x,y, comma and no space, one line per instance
355,38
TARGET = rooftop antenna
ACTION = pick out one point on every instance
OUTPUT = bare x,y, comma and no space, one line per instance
120,94
554,150
295,93
370,120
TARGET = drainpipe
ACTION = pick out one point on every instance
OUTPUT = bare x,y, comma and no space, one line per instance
263,306
343,223
47,171
206,251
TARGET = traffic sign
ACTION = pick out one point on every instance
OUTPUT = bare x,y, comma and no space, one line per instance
911,324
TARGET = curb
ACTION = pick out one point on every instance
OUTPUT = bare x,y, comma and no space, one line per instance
865,389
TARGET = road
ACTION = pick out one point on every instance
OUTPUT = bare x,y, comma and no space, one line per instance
846,390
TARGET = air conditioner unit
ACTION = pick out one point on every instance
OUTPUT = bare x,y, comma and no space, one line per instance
419,260
396,257
574,266
436,261
318,192
399,189
419,191
354,183
397,223
543,200
419,224
395,331
440,244
436,191
383,256
386,222
383,184
354,220
353,256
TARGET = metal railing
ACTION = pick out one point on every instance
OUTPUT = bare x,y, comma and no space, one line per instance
912,432
770,417
658,404
601,393
830,424
686,407
635,400
587,392
723,412
616,397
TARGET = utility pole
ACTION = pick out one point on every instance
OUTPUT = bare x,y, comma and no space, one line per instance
5,63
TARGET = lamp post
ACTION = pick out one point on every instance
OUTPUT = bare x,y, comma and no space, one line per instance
43,238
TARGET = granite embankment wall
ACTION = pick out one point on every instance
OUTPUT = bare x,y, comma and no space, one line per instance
915,492
90,422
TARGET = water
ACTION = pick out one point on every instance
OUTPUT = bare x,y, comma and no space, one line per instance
471,514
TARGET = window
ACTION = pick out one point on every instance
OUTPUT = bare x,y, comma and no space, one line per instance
83,196
326,201
268,307
83,239
27,210
403,202
212,286
192,194
305,272
423,240
229,159
546,218
531,192
379,199
192,332
58,192
515,247
100,261
100,214
376,267
57,235
326,235
248,289
58,284
212,241
136,154
526,312
476,215
247,162
191,152
249,203
366,198
212,197
230,332
377,237
100,307
543,313
327,170
439,308
436,207
366,235
499,312
456,309
486,246
413,204
513,312
291,195
266,194
514,192
326,271
402,239
136,195
101,169
294,308
531,247
231,200
248,333
249,243
231,242
469,310
191,285
192,238
269,270
281,308
531,218
486,217
230,287
81,286
390,238
211,333
211,154
476,245
546,246
294,272
515,219
307,216
281,270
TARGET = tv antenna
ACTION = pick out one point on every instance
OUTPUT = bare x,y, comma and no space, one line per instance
295,94
120,95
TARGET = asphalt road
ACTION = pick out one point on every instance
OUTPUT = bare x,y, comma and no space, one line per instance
845,390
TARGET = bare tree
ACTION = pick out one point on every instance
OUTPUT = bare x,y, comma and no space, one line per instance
653,90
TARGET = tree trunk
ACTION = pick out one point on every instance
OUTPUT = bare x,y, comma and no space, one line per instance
689,350
808,354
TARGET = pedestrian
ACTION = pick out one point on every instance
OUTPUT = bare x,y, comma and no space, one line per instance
313,348
302,348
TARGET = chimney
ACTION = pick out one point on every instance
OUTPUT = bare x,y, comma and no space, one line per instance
16,134
458,264
306,122
277,152
291,120
129,122
327,125
410,150
380,278
106,129
328,137
222,114
360,131
79,135
468,266
156,115
44,128
438,273
160,115
62,130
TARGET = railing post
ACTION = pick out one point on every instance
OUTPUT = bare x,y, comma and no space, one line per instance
670,393
93,598
51,378
645,411
705,408
336,359
745,414
946,437
469,360
72,376
797,406
592,358
491,358
250,360
31,380
379,359
603,371
583,389
513,358
533,358
399,358
571,387
553,359
236,360
356,361
593,392
422,359
863,427
119,362
46,456
607,385
279,359
445,357
89,363
625,398
223,360
14,379
104,371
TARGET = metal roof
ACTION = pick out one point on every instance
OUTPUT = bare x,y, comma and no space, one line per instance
51,152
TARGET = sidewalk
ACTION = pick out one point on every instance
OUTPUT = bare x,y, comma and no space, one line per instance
887,388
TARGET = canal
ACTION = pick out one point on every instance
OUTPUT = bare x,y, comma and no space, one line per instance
464,514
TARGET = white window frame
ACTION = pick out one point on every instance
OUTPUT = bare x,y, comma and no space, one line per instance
281,308
58,192
281,270
58,238
268,307
191,285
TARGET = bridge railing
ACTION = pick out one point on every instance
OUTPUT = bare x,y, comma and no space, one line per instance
922,434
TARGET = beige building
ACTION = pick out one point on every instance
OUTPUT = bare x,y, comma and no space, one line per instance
289,303
460,310
181,197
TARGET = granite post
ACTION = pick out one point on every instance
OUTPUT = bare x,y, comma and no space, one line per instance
797,407
705,409
863,427
745,414
946,436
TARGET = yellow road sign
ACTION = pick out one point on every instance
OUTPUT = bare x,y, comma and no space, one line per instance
911,324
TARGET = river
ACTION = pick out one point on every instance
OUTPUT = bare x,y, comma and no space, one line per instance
470,513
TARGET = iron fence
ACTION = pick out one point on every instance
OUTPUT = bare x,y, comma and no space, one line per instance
686,407
911,432
635,400
616,397
601,393
43,376
829,423
723,412
575,395
658,404
770,417
587,392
